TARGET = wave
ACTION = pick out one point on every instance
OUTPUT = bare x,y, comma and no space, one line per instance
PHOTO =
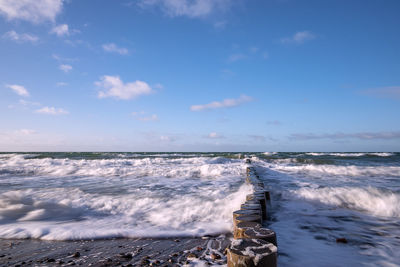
169,167
370,200
378,154
68,214
320,170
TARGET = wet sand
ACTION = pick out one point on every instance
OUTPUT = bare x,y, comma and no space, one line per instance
115,252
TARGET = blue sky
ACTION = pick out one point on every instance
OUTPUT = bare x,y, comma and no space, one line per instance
191,75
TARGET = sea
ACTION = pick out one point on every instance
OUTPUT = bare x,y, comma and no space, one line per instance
317,199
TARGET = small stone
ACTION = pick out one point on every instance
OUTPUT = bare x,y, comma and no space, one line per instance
60,262
341,240
199,248
76,254
214,256
127,255
191,255
177,240
109,260
175,255
2,256
51,260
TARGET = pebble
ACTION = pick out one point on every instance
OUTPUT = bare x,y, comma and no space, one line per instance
76,254
191,255
199,248
214,256
341,240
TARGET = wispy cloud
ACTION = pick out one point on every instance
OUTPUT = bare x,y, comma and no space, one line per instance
111,47
20,37
385,92
188,8
60,30
35,11
63,59
65,68
52,111
214,135
115,87
361,135
226,103
299,38
23,102
141,117
19,89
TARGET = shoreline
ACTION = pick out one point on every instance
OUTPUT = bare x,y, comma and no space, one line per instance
179,251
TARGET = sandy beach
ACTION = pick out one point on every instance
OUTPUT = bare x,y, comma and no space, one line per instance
114,252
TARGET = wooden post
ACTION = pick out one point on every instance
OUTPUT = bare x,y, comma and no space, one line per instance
251,253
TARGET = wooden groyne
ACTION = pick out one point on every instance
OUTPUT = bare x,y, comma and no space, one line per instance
253,244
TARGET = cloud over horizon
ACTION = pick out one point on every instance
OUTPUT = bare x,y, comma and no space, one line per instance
360,135
226,103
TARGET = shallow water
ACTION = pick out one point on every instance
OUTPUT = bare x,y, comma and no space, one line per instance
316,198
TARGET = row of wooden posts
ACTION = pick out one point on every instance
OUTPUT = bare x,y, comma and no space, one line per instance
253,244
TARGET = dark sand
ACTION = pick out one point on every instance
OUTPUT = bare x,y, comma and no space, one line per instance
114,252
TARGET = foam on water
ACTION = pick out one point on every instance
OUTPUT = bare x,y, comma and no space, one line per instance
320,170
380,154
370,200
61,199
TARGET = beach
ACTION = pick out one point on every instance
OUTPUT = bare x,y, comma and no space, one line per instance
176,208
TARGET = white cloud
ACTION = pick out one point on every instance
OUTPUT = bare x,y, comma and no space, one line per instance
60,30
298,38
226,103
52,111
31,10
111,47
19,89
115,87
20,37
214,135
165,138
65,68
189,8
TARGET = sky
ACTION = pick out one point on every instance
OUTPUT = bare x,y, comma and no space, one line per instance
199,75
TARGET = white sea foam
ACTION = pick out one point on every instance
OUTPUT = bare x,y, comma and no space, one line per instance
378,154
180,167
149,197
370,199
352,170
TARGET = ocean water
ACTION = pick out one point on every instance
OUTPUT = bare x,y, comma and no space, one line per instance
316,198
